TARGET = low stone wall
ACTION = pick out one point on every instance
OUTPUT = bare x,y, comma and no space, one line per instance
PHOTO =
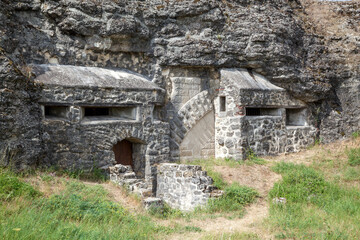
183,186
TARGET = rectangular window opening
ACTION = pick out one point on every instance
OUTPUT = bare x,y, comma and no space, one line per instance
296,117
55,111
251,111
96,111
222,104
110,113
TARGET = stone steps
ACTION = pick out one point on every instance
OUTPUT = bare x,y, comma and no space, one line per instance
126,177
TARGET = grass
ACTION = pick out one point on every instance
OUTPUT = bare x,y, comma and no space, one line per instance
11,187
232,236
79,211
352,174
315,208
322,202
234,199
354,156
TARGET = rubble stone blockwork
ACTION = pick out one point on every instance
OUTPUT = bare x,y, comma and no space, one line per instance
171,80
254,115
183,186
87,111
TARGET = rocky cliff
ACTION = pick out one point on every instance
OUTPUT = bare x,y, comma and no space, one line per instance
283,40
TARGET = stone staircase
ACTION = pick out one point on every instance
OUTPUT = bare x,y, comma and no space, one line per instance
126,177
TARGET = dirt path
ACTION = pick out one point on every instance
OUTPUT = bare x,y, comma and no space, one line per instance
259,177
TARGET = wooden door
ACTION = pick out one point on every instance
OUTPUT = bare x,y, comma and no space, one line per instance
123,153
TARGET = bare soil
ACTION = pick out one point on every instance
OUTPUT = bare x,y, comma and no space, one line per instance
259,177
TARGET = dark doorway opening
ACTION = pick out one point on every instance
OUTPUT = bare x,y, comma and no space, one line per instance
123,153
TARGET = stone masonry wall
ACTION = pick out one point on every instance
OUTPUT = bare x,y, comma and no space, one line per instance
165,39
183,186
237,134
189,102
77,143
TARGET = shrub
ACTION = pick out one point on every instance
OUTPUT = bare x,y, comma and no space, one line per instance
354,156
11,187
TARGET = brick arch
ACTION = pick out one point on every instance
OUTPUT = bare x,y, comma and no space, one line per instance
187,117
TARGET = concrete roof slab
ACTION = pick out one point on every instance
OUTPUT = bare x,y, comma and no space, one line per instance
76,76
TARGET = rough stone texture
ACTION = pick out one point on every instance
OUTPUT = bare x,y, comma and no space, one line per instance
20,142
183,186
126,177
190,41
189,109
83,142
236,134
152,202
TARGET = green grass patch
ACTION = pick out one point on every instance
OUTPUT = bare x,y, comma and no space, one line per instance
354,156
11,187
352,174
165,212
314,208
234,199
79,212
252,158
299,183
355,134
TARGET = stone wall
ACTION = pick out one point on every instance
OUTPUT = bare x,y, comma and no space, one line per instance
77,141
236,134
20,138
183,187
186,41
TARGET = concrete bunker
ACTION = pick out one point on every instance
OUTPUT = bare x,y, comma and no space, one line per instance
257,116
91,115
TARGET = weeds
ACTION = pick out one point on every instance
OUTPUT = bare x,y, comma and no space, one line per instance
315,208
11,187
354,156
352,174
165,212
355,134
234,199
252,158
79,212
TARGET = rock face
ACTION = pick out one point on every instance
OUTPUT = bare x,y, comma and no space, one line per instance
20,141
182,46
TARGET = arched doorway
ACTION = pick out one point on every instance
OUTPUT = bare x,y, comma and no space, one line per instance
124,153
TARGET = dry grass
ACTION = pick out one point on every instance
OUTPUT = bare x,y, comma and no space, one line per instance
55,185
331,159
